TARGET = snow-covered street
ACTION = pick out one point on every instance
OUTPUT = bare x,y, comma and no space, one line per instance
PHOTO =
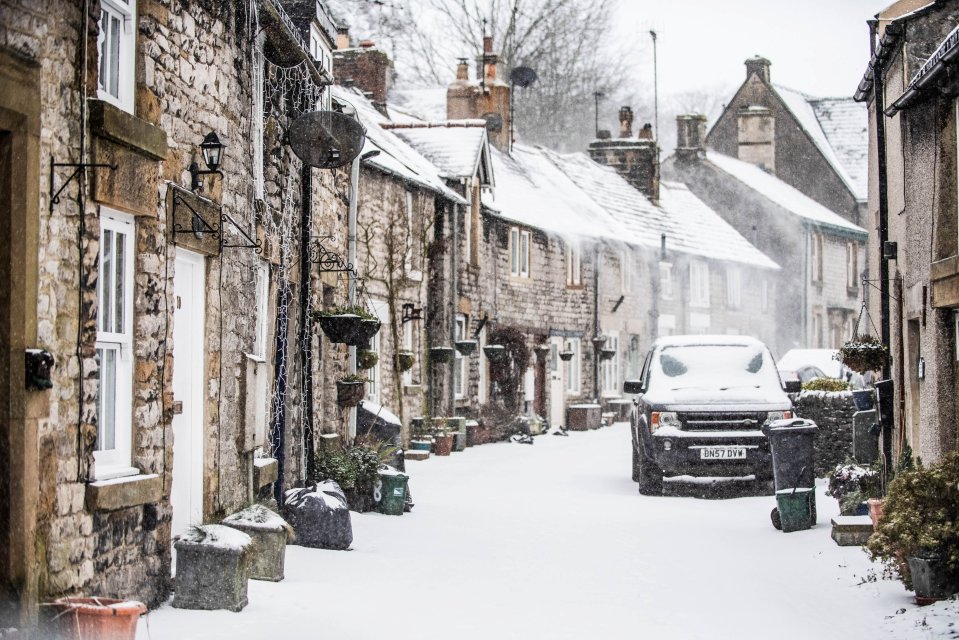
553,541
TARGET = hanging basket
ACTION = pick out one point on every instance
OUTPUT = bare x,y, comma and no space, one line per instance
566,356
863,353
541,351
496,352
349,393
348,328
598,342
366,359
607,354
404,361
466,347
441,354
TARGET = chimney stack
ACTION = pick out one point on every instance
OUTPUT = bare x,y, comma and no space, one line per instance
462,70
487,98
368,67
625,122
759,66
646,133
691,136
756,132
342,38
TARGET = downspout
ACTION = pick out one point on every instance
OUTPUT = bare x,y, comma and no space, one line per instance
879,93
352,275
596,259
454,299
306,322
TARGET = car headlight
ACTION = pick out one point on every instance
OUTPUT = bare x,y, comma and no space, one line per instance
779,415
664,419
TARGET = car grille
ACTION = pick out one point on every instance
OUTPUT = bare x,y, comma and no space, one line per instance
722,421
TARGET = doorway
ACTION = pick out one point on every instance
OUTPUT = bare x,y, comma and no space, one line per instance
189,369
557,394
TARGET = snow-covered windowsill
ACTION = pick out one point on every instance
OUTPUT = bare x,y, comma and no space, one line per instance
123,491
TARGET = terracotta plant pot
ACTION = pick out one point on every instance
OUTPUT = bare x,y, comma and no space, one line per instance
101,618
875,511
349,394
443,444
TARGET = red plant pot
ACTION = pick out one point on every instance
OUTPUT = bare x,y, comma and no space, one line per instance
101,618
443,445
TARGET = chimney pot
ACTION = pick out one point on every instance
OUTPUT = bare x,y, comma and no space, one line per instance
646,133
462,69
342,38
625,122
487,44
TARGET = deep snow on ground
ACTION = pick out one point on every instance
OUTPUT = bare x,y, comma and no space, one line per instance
553,541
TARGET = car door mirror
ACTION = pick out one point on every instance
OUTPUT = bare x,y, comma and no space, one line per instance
792,386
633,386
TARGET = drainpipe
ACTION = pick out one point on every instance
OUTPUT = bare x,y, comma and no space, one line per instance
597,258
352,275
884,320
454,299
306,322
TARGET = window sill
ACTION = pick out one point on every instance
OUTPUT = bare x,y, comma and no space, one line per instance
111,122
265,471
122,492
852,292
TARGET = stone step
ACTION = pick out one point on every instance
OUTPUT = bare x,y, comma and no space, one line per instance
416,454
851,531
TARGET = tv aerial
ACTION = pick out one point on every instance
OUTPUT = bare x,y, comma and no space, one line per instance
522,77
326,139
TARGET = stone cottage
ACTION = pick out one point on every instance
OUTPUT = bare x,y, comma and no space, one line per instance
910,92
160,254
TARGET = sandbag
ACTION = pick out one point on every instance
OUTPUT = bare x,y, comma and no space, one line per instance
319,515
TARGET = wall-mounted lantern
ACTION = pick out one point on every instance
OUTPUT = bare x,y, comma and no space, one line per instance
212,150
411,312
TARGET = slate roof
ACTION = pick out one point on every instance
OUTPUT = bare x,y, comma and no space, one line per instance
839,129
689,224
428,104
455,147
396,157
777,191
532,191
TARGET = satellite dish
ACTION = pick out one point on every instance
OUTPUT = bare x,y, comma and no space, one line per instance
494,122
522,76
326,139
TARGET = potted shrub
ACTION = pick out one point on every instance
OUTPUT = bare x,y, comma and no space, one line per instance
80,618
350,390
863,353
354,326
355,469
442,442
851,485
404,361
441,354
466,347
918,538
495,352
366,359
212,568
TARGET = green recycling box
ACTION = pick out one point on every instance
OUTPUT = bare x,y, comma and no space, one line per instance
389,493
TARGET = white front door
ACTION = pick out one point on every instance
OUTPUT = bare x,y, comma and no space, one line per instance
188,383
557,387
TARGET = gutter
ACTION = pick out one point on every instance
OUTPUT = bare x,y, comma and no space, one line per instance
288,29
931,70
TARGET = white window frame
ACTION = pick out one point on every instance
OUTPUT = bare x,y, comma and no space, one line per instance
817,330
734,287
815,257
610,368
262,299
666,280
574,367
519,252
460,370
116,461
483,391
381,310
574,265
699,284
407,376
852,265
123,12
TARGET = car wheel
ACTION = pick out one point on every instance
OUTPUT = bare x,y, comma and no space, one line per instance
635,465
650,478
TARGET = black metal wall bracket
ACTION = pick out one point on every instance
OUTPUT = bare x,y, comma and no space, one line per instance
329,261
480,325
77,168
198,226
256,245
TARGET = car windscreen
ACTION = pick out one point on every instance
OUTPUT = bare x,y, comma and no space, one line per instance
714,366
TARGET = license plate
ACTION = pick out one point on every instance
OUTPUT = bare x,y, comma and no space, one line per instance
722,453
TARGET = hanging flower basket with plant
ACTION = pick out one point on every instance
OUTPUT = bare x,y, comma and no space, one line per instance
441,354
607,354
863,353
350,390
366,359
541,351
348,325
495,352
404,361
466,347
566,355
598,342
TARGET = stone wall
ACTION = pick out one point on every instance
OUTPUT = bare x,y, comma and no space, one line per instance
832,413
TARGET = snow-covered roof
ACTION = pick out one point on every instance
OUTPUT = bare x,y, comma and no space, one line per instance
428,104
396,157
532,191
717,339
455,147
838,128
786,196
689,224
